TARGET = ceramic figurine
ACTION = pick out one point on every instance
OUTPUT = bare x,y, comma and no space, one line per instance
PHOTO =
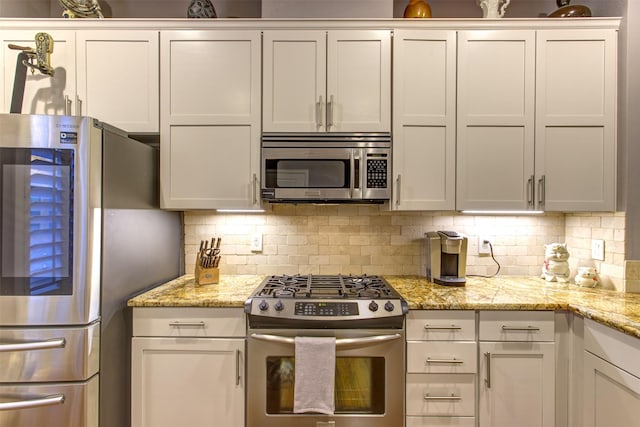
493,8
556,266
587,277
201,9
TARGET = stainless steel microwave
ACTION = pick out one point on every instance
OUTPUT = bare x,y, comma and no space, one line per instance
326,167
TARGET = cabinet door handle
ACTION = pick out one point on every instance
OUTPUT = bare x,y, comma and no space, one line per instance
441,328
330,113
398,183
78,106
487,380
454,361
530,189
319,121
178,324
255,189
452,397
67,105
238,357
520,328
542,184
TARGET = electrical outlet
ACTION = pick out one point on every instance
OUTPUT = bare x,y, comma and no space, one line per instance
256,242
483,246
597,249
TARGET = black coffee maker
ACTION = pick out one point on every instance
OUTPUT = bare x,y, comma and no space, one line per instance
446,253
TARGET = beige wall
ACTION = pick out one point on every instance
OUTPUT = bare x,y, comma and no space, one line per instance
369,239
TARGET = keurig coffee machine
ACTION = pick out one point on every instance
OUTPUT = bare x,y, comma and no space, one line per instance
446,257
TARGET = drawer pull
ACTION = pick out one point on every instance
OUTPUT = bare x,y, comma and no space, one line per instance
428,327
36,345
199,324
452,397
520,328
454,360
55,399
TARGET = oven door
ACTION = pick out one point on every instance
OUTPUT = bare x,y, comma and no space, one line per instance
45,220
369,381
307,173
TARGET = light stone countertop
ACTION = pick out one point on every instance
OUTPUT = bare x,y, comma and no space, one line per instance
615,309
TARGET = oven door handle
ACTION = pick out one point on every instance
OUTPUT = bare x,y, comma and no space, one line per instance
55,399
35,345
340,343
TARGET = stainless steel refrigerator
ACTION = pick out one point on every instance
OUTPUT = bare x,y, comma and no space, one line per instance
81,232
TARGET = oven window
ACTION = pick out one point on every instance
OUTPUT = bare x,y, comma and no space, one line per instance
36,222
359,385
316,173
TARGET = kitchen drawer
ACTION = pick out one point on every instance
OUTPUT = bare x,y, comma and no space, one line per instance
442,357
441,325
441,422
188,322
56,404
441,394
40,354
517,326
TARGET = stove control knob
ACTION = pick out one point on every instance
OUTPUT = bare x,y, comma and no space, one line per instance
389,306
279,306
373,306
263,306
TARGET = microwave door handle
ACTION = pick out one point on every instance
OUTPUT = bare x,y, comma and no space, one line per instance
340,343
352,174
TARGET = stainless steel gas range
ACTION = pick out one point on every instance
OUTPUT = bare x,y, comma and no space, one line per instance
366,317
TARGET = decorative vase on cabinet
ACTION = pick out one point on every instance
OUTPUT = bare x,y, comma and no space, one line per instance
201,9
493,8
417,9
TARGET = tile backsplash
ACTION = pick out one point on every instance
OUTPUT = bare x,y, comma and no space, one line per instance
324,239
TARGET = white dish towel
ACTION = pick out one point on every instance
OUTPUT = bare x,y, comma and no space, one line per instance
315,375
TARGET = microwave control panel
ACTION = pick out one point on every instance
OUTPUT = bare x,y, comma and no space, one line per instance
377,168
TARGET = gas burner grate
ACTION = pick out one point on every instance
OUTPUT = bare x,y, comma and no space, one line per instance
324,286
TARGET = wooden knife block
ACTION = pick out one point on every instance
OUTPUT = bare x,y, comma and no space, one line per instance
207,276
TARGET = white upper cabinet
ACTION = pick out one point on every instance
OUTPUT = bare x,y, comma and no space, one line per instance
42,94
295,80
327,81
210,110
109,74
576,119
424,120
118,77
537,119
496,72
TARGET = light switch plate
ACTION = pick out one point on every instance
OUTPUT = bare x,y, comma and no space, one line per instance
597,249
256,242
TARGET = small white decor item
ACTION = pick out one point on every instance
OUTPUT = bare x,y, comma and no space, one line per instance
493,8
587,277
556,266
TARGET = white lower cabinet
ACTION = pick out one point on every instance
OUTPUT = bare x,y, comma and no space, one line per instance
517,375
194,374
441,368
611,382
